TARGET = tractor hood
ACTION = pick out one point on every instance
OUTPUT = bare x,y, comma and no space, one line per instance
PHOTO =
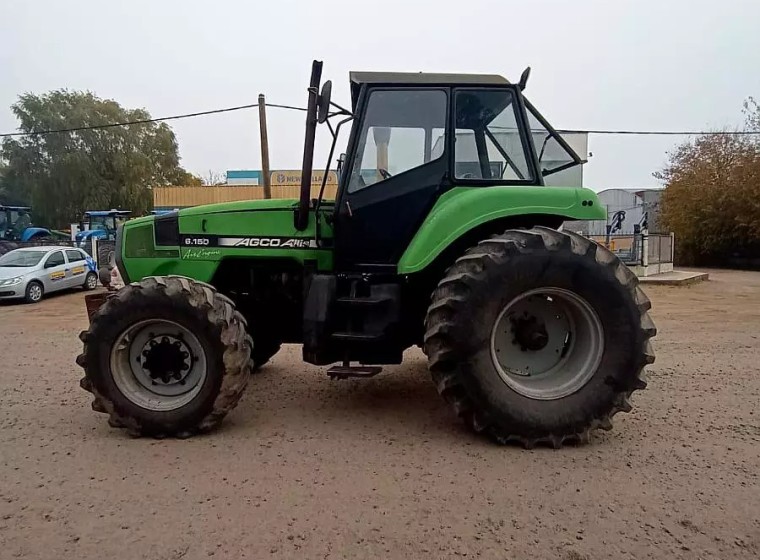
87,234
241,206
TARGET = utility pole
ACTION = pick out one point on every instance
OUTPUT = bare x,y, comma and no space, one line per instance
264,147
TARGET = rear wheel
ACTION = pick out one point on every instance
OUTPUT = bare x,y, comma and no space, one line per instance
538,337
166,356
91,281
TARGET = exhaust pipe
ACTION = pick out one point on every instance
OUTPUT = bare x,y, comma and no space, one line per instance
302,214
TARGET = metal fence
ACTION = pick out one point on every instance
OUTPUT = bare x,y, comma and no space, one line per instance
639,249
660,248
628,248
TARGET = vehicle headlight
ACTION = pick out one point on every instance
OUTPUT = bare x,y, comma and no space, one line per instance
11,281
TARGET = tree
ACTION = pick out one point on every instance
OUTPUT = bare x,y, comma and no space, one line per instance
712,199
63,174
214,178
752,116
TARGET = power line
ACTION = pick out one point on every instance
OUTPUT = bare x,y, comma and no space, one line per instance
665,132
146,121
295,108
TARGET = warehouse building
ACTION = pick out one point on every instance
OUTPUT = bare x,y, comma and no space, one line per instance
628,210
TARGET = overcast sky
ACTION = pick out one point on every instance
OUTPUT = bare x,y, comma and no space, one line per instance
597,64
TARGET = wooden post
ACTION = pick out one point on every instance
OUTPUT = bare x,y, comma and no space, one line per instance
264,147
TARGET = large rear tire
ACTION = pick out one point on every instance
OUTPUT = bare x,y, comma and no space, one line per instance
167,356
538,336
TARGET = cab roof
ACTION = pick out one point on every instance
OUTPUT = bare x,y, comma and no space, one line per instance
420,78
426,78
107,213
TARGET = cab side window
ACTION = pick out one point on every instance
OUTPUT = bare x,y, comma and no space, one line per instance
489,143
402,130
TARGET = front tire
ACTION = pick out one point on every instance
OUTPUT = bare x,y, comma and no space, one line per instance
34,292
538,336
167,356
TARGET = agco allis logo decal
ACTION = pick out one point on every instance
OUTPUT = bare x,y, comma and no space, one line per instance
272,242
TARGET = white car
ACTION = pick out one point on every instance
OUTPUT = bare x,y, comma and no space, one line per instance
31,272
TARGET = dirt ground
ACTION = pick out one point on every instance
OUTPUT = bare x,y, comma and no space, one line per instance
311,468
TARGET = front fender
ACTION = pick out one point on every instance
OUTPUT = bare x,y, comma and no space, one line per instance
31,232
464,208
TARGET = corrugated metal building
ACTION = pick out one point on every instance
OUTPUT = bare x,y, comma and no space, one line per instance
242,185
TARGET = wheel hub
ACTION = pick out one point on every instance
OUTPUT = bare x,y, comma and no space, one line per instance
530,333
547,343
158,364
166,359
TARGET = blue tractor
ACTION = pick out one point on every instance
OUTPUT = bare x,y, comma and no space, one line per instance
16,225
100,225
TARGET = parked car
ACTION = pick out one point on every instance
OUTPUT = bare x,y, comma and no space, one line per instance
32,272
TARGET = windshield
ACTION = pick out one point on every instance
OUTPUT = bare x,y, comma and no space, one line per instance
21,259
101,222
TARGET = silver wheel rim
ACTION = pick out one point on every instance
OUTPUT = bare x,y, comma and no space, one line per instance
158,365
547,343
92,281
35,292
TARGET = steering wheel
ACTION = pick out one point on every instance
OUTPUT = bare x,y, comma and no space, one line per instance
384,173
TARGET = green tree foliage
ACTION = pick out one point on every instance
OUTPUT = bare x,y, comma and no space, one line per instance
63,174
712,196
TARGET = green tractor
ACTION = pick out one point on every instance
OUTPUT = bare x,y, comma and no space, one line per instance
442,235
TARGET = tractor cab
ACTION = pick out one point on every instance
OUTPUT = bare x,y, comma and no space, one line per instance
101,225
13,221
415,138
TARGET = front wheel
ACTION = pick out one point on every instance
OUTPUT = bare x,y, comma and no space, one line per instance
539,336
167,356
34,292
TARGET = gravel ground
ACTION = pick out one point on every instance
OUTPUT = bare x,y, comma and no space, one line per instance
311,468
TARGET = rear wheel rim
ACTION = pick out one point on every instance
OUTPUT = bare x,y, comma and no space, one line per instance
35,292
158,365
547,343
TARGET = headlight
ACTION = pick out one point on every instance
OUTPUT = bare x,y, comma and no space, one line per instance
11,281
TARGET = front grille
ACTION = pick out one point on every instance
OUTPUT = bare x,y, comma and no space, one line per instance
167,230
139,244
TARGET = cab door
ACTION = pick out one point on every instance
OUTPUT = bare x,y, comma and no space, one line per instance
398,167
